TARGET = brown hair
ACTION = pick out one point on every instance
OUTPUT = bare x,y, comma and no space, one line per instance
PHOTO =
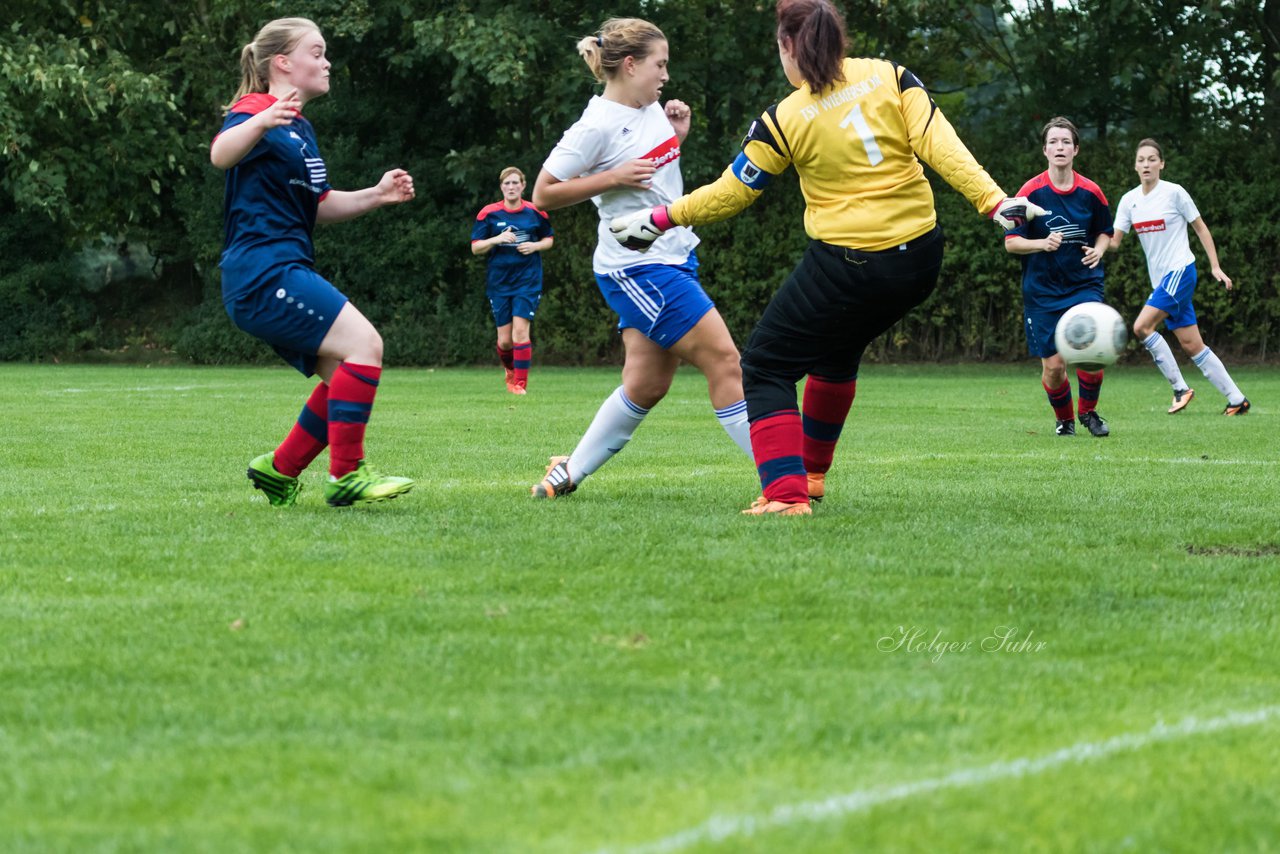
1150,143
813,33
276,37
618,39
1060,122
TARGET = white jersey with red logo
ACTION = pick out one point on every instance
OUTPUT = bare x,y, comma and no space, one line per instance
608,135
1160,219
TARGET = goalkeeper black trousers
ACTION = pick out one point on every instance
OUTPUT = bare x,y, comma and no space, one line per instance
835,302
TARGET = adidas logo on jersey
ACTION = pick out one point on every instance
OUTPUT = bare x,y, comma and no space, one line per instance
626,131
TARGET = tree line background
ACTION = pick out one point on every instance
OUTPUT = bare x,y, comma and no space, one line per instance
111,215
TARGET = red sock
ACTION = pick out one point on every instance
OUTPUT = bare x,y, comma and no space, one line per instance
777,441
1090,388
826,406
504,356
350,401
308,437
1060,400
523,354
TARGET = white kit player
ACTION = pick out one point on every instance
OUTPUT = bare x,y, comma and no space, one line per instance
1159,212
624,155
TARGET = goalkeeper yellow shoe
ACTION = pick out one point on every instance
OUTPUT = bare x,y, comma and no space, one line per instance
364,484
817,486
764,507
280,489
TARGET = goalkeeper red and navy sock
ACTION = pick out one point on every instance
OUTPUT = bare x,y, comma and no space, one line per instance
777,440
1060,400
826,406
506,357
351,396
1090,388
308,437
522,356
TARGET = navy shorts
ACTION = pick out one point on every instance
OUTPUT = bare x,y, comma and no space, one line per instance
507,306
291,308
1041,322
662,301
1173,297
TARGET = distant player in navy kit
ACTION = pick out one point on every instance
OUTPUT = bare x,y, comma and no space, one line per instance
277,190
1061,267
624,155
1160,211
512,233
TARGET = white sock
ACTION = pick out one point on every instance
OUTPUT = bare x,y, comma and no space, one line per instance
733,418
1162,355
1211,366
611,429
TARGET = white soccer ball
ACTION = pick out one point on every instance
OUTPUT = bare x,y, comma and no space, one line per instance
1091,335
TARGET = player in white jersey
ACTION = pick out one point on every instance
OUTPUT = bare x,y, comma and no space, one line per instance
624,155
1160,211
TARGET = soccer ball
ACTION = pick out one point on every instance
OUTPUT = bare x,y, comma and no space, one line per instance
1091,336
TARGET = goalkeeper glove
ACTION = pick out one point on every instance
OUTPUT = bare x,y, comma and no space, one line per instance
638,230
1016,211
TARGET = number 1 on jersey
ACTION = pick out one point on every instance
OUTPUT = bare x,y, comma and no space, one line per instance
859,123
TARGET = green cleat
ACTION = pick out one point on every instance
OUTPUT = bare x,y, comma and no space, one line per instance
364,484
280,489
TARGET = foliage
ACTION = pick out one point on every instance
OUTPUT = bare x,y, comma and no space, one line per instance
106,111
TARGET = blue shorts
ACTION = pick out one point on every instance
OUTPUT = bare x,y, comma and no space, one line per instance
507,306
662,301
1041,322
1173,297
291,308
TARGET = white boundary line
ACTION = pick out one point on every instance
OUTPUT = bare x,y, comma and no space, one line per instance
720,828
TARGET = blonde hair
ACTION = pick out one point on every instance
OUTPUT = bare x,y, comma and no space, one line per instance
276,37
511,170
618,39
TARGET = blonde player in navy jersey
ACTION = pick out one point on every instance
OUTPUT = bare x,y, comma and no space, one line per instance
1062,267
624,155
1160,211
856,131
277,190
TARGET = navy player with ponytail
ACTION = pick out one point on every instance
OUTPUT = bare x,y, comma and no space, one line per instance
277,190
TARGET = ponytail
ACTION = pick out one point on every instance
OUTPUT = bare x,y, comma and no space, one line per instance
276,37
618,39
813,32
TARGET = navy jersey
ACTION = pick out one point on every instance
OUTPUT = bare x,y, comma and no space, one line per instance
271,197
1079,214
509,271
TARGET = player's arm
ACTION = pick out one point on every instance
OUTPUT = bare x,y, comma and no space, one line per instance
550,193
935,141
1093,254
1206,240
231,145
395,187
1116,237
535,246
1016,244
762,158
482,246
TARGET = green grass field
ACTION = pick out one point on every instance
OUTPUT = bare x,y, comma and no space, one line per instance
637,667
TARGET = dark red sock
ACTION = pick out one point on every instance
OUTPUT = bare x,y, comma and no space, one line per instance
826,406
350,402
1090,388
1060,400
523,355
308,437
777,440
505,356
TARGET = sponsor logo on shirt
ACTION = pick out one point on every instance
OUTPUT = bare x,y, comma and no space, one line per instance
667,152
1148,226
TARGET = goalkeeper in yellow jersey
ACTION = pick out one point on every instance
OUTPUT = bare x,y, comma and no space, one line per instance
856,131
